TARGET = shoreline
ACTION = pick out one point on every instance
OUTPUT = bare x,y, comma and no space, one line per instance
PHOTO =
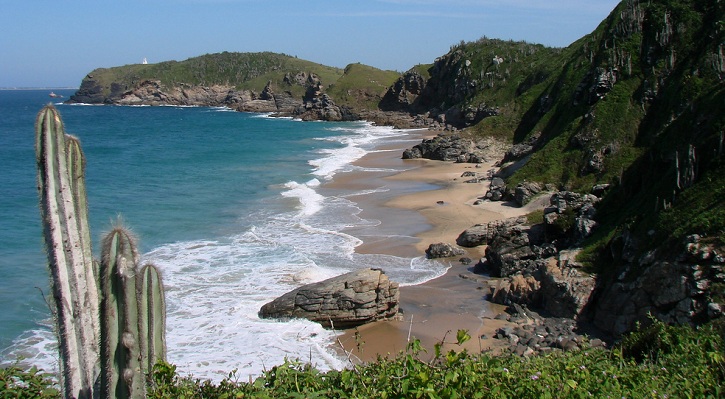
428,202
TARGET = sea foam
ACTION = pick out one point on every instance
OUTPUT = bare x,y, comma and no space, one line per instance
216,286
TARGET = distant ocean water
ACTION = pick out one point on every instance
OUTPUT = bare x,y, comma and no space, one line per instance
230,206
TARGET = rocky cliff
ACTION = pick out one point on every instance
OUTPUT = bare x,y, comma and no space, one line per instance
631,112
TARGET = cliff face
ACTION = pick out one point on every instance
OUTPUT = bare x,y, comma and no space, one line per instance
636,107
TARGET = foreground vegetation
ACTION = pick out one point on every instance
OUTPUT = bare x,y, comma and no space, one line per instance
656,362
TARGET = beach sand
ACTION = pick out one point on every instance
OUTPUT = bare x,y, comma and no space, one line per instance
428,203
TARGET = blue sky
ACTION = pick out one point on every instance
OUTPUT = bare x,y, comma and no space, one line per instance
56,43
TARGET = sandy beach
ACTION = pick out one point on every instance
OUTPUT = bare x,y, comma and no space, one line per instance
427,203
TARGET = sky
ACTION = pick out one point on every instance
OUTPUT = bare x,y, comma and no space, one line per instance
56,43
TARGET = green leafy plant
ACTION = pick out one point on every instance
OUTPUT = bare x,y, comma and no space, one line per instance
658,361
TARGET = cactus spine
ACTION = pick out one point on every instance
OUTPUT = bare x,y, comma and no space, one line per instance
113,341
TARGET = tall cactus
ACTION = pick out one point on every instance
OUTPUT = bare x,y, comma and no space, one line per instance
152,317
64,213
122,376
129,320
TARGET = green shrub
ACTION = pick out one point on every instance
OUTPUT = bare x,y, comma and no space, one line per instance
16,382
659,361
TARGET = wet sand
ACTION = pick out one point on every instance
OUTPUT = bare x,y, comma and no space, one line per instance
427,203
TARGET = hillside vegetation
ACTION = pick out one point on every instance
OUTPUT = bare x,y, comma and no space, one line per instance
657,362
239,70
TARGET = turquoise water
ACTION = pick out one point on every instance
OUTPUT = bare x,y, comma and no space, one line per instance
230,206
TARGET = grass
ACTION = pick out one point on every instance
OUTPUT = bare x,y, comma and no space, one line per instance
361,86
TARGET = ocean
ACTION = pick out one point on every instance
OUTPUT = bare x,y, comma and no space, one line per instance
232,207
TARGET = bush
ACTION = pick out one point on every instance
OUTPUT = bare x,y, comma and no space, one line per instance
659,361
18,383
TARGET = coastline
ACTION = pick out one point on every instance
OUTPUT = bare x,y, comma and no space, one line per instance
428,202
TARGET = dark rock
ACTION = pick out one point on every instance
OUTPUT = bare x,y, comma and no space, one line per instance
565,291
497,183
570,219
450,147
345,301
473,236
518,151
509,248
91,92
496,190
600,189
525,191
402,95
443,250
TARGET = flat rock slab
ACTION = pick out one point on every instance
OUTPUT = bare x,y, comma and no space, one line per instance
344,301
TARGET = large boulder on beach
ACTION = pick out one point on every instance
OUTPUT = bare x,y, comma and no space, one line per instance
443,250
443,148
344,301
474,236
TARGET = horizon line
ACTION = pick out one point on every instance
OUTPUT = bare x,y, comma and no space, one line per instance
40,88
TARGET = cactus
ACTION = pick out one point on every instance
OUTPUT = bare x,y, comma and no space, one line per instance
121,369
64,212
152,322
129,321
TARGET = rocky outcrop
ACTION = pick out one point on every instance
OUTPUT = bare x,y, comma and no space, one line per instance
344,301
514,247
540,270
154,92
570,218
535,334
517,289
320,106
683,289
91,91
452,79
525,191
534,263
402,95
566,291
453,147
496,190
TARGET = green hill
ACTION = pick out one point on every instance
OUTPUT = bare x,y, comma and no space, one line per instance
356,86
239,70
361,86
